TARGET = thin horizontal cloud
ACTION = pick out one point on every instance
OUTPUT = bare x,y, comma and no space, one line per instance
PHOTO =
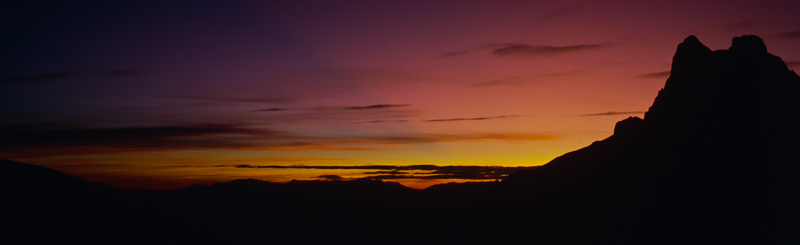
232,99
469,118
792,34
519,80
40,77
456,53
269,109
430,138
490,46
613,113
404,172
374,107
330,177
150,137
511,81
654,75
522,49
542,50
382,121
25,140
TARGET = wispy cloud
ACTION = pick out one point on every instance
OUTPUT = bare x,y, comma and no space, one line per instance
525,50
373,107
382,121
791,34
405,172
613,113
456,53
233,99
269,109
519,80
655,75
511,81
469,118
542,50
39,77
430,138
148,137
330,177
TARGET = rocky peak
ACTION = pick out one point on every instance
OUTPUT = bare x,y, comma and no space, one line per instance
708,89
691,54
749,44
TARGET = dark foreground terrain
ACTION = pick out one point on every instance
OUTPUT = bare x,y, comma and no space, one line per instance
713,161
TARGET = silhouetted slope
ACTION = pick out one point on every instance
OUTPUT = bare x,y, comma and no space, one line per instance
28,179
42,204
710,162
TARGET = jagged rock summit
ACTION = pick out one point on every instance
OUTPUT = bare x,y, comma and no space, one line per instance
713,157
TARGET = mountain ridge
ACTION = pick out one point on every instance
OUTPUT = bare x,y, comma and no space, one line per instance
710,162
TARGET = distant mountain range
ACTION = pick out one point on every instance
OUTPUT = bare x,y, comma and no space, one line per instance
713,161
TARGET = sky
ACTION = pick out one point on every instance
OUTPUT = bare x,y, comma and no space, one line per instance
165,94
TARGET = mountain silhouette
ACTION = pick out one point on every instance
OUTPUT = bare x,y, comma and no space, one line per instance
712,161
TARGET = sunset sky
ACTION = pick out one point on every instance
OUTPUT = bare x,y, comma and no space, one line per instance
160,95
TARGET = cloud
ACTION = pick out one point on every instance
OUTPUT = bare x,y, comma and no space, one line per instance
407,171
519,81
430,138
279,99
788,35
522,49
330,177
469,118
613,113
269,109
663,74
511,81
40,77
542,50
373,107
122,73
382,121
456,53
37,139
149,137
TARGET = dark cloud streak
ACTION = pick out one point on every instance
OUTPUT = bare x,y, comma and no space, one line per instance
788,35
522,49
269,109
613,113
663,74
382,121
404,172
151,137
542,50
374,107
469,118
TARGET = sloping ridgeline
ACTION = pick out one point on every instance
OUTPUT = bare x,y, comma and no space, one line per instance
713,161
